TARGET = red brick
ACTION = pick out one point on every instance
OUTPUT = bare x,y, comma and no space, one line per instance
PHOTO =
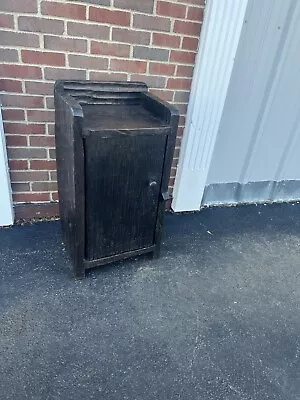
50,103
173,173
171,9
14,100
43,25
151,23
151,81
179,83
16,165
28,176
52,154
10,85
187,28
174,169
181,121
164,40
164,94
42,165
180,131
176,153
178,142
111,49
29,197
168,203
67,10
41,58
144,6
65,44
121,18
195,13
42,88
107,76
184,57
171,182
64,73
196,2
16,140
20,187
54,196
130,36
6,21
190,43
9,38
170,191
182,108
182,97
53,175
22,153
42,141
20,71
13,115
162,69
9,55
151,53
24,129
40,115
29,211
128,66
174,163
50,129
44,186
94,31
87,62
27,6
185,71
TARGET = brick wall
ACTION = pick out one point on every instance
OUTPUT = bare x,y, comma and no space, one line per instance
41,41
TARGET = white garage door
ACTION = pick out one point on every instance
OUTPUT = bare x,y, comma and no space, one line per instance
6,209
242,139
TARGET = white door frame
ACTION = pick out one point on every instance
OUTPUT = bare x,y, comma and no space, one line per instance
220,36
6,205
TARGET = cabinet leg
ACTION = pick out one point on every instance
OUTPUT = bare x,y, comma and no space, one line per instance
79,272
156,253
79,275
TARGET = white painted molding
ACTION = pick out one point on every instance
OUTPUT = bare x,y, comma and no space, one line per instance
6,207
220,36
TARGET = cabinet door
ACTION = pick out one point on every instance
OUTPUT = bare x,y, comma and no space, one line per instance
123,177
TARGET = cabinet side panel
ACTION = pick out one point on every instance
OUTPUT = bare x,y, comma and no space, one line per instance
170,146
66,126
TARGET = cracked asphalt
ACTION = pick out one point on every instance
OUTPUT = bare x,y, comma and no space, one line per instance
216,317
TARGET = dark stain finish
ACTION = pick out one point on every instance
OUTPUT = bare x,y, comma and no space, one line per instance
122,217
115,143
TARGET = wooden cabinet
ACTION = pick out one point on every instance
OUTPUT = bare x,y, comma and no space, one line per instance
115,143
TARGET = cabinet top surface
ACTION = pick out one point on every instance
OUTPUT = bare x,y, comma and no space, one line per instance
119,116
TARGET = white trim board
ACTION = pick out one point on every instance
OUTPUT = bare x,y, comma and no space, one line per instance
6,207
220,36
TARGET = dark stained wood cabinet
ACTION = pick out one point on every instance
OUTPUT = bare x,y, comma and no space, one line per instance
114,144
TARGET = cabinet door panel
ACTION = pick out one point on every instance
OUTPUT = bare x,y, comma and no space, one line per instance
123,178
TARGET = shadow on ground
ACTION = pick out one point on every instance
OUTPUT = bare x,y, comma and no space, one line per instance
216,317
